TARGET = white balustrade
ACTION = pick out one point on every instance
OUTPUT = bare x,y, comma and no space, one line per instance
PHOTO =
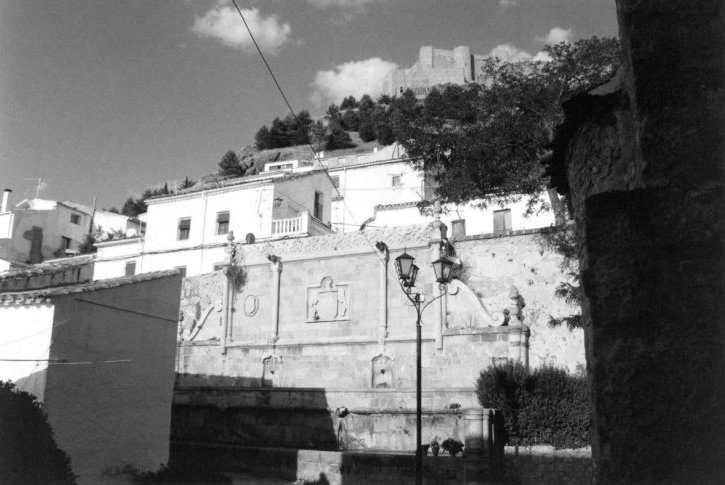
304,224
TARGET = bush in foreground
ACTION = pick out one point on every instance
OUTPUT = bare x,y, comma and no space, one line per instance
545,406
28,452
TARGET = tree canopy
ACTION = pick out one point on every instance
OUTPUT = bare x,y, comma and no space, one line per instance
230,165
486,141
285,132
135,206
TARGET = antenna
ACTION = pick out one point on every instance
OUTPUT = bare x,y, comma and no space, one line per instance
39,182
93,216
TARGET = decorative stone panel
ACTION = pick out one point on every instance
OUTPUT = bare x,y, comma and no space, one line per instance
328,301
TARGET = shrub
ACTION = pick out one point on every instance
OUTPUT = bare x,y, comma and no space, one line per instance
452,446
28,452
546,406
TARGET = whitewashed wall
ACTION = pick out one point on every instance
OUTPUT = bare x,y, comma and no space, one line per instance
25,333
478,220
364,187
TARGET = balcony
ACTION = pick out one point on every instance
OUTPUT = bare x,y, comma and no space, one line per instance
303,225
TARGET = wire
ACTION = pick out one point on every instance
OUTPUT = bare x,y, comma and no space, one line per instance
289,106
36,333
294,115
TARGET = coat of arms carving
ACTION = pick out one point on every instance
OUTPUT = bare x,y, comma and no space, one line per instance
328,301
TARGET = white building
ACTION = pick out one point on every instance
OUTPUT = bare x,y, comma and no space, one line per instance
382,189
100,356
36,229
292,198
188,230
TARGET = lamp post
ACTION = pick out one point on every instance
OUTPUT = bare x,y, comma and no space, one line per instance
407,274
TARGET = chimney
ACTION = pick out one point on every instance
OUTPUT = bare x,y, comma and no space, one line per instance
6,196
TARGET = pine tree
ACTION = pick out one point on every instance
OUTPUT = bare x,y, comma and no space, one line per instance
261,139
338,138
230,165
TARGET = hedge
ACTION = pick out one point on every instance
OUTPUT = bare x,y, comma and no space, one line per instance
545,406
28,452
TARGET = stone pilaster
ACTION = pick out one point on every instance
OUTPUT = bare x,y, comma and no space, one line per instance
275,268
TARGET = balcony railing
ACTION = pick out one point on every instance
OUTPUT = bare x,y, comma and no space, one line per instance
303,225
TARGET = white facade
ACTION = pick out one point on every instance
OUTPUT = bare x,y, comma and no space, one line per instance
364,181
41,229
477,220
382,189
37,229
379,188
189,230
109,222
26,334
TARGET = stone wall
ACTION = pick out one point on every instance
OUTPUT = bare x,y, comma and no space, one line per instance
323,467
340,345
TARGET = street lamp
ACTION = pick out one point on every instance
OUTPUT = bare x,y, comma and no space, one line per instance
407,274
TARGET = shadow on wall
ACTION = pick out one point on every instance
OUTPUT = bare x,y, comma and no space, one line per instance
240,411
246,424
232,424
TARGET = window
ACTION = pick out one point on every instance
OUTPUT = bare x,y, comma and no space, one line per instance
65,242
182,270
222,222
75,219
502,220
318,205
335,181
395,181
184,228
130,268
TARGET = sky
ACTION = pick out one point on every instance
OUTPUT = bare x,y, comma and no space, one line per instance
106,98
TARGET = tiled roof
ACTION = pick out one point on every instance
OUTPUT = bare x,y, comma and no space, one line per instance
232,181
399,205
45,294
78,207
51,266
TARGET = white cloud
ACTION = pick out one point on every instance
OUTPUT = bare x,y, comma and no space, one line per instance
556,35
509,53
508,3
351,78
224,24
541,56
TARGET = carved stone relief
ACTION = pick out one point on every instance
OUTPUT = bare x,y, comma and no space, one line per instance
383,375
191,321
251,305
328,301
270,370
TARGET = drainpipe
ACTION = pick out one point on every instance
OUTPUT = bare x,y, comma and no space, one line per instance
384,257
228,294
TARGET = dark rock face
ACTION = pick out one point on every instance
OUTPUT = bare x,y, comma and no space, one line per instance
643,164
